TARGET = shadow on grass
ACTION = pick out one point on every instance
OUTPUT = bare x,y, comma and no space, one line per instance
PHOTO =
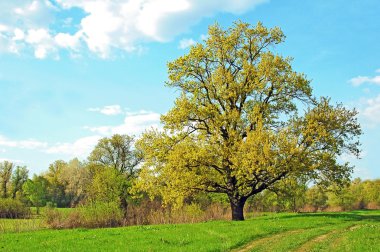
363,215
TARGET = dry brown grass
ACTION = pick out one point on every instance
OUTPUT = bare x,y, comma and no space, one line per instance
152,212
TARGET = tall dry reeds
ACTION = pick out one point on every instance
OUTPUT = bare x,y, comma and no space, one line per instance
93,215
99,214
152,212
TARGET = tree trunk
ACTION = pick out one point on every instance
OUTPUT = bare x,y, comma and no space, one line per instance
4,189
124,207
237,207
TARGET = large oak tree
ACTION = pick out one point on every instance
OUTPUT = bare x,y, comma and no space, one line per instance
243,121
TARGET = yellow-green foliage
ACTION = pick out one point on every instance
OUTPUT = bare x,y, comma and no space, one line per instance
236,127
106,185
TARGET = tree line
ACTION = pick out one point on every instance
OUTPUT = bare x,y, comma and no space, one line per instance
106,175
111,174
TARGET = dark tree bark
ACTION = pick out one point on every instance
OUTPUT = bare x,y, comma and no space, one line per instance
237,208
124,206
4,188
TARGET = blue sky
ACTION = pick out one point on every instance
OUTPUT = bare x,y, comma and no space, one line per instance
73,71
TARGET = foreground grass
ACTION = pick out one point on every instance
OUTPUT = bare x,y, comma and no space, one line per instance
352,231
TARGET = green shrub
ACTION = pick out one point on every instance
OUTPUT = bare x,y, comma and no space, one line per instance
13,209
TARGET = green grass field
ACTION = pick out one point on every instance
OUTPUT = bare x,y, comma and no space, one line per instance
349,231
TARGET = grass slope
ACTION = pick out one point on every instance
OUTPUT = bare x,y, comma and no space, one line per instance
352,231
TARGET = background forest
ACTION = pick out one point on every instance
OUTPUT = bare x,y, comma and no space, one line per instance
100,189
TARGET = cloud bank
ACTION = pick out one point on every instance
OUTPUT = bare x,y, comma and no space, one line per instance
360,80
108,110
371,110
102,26
134,123
369,107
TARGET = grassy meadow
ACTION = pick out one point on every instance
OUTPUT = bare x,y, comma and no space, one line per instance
345,231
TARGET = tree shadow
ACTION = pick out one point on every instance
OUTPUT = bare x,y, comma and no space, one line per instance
364,215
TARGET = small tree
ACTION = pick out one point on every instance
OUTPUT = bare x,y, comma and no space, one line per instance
76,177
57,184
237,128
107,186
36,191
6,169
317,197
291,192
117,153
19,177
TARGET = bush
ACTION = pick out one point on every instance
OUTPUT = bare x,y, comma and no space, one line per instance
93,215
13,209
55,218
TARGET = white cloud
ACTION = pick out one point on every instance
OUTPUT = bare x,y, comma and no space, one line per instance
18,34
68,41
359,80
42,42
15,161
3,28
185,43
22,144
108,110
107,25
37,36
371,110
80,148
134,124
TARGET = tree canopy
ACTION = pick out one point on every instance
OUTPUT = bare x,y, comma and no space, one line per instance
116,152
6,169
243,121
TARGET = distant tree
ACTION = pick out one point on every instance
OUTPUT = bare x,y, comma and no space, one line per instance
107,186
244,121
291,192
57,184
371,191
36,191
19,177
76,177
357,191
6,169
117,152
265,201
340,197
317,197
